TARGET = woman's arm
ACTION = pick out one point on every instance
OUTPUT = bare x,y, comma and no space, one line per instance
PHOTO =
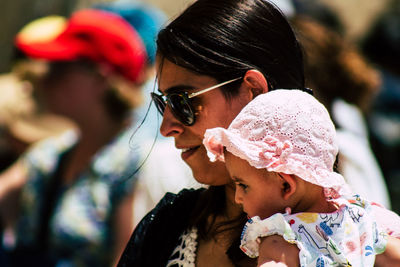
11,182
391,256
12,179
274,250
123,226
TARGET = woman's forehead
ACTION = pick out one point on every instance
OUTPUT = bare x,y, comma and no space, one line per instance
171,75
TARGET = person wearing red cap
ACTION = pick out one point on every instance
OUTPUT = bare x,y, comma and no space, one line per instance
76,189
164,171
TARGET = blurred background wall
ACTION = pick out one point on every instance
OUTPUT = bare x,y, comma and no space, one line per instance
356,15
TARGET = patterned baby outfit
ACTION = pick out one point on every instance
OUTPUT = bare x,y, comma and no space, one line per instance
346,237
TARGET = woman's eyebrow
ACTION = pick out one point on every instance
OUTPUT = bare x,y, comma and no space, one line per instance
178,89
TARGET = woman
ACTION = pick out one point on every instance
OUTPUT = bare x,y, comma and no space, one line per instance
76,189
237,50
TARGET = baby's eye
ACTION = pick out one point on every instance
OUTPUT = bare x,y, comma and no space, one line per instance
242,186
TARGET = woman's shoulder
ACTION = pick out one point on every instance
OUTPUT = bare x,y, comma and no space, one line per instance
171,207
179,200
160,230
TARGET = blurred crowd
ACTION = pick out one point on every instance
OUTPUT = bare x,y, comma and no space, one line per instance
81,158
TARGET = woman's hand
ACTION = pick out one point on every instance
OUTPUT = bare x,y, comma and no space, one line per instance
276,251
273,264
11,182
391,256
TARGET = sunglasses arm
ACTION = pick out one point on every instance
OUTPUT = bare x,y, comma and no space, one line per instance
191,95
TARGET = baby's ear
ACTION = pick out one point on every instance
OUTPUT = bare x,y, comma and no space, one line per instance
288,185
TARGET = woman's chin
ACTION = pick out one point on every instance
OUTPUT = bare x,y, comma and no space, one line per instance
207,172
211,175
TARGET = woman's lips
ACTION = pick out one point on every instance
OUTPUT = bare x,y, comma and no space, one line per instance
187,152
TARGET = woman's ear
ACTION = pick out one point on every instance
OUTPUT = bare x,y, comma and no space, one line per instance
256,82
289,185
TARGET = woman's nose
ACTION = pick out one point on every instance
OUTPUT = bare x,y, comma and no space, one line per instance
170,126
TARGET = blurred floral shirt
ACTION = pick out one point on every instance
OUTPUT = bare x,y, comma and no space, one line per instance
79,222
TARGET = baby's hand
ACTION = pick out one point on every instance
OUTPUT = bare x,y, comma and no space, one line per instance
256,228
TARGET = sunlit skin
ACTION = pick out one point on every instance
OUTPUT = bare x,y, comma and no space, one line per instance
213,110
257,190
263,193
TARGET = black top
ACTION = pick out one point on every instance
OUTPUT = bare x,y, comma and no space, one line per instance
157,234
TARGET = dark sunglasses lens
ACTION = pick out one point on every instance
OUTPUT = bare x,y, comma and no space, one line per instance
182,109
159,102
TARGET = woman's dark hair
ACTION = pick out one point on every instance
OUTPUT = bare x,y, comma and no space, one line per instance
225,38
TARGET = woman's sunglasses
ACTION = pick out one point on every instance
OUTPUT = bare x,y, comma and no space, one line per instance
180,103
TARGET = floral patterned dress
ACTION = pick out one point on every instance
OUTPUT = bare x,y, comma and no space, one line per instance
74,225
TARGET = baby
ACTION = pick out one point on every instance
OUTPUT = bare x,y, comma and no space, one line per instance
280,152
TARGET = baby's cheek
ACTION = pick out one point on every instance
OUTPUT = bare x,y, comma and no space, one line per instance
262,211
256,210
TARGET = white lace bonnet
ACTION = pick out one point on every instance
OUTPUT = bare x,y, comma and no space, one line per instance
286,131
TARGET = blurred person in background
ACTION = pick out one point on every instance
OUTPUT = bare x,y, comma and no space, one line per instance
22,119
22,123
318,11
346,84
163,170
75,190
15,102
381,45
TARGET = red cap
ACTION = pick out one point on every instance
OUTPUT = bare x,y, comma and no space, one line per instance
101,36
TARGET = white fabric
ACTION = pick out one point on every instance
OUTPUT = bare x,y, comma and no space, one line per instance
347,237
387,220
356,159
286,131
184,255
256,228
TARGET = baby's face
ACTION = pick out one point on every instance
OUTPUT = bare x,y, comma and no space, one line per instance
257,190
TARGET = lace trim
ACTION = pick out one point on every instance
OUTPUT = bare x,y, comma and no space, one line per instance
184,255
285,131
